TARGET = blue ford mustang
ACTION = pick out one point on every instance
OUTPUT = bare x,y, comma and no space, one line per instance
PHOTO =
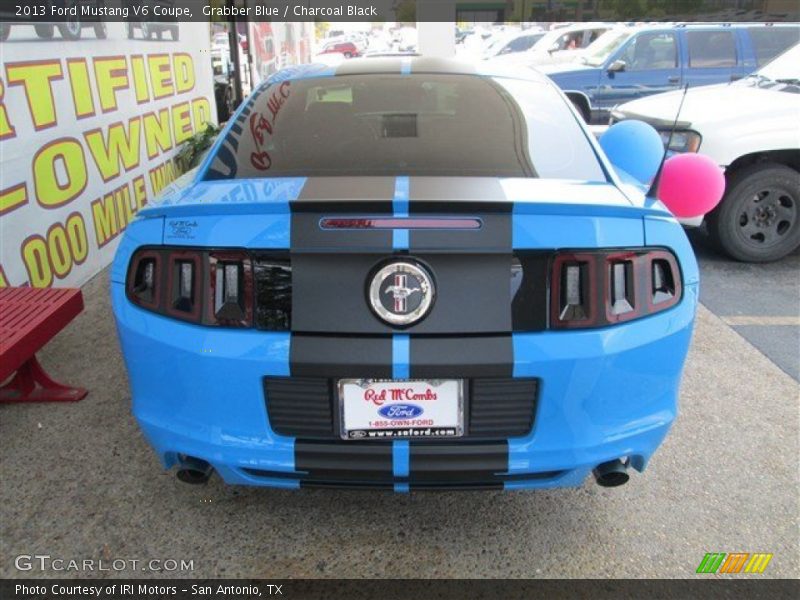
405,273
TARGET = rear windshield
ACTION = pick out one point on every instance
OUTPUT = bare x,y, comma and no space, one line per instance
416,125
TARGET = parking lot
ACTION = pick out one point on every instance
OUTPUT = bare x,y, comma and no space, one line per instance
79,481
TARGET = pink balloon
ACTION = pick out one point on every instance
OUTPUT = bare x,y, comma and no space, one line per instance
691,185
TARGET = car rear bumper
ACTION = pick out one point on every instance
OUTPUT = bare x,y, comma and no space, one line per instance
605,394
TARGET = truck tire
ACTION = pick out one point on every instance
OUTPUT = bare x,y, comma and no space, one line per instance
46,32
758,219
70,30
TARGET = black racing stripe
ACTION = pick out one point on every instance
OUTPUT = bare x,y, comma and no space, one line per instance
329,293
386,64
457,194
346,195
332,196
479,197
340,356
344,462
338,485
462,356
473,294
461,462
432,64
454,487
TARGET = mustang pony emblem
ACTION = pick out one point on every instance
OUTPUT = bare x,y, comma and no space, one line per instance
401,293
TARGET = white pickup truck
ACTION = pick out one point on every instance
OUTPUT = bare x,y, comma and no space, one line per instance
751,128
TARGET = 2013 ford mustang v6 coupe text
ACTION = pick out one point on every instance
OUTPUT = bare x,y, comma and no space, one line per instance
405,273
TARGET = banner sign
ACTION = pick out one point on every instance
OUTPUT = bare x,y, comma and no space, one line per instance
89,128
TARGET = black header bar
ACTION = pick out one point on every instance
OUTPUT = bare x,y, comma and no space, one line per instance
406,11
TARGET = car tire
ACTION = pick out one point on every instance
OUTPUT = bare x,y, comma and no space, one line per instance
175,34
131,31
46,32
758,219
5,31
70,30
100,31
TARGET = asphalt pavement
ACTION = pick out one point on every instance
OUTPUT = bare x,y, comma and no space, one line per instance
79,481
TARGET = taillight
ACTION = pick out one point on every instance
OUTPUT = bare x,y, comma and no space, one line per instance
183,285
231,289
143,282
210,288
599,288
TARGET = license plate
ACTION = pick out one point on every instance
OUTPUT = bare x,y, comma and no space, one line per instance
374,409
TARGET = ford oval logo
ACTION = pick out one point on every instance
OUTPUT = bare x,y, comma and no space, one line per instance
401,411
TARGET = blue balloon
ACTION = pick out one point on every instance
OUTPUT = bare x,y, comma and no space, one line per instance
635,147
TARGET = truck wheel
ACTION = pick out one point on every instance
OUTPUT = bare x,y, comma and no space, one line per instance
70,30
46,32
758,219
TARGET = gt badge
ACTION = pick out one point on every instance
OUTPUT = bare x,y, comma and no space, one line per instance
401,293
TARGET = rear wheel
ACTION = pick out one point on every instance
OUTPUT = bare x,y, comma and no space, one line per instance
46,32
100,31
758,219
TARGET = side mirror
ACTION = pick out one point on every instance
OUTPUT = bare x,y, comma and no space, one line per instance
553,48
616,66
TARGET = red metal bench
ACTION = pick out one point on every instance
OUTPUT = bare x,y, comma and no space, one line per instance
29,318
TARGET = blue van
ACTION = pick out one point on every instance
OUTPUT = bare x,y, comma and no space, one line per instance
631,62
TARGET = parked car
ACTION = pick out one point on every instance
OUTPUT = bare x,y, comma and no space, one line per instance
660,58
567,39
512,43
155,28
751,127
70,29
347,49
405,275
